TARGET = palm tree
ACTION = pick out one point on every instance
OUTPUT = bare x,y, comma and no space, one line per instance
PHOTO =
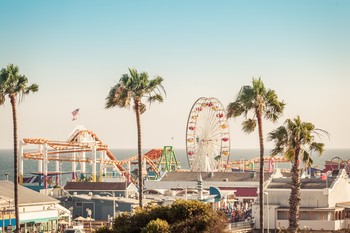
134,87
13,84
261,102
296,140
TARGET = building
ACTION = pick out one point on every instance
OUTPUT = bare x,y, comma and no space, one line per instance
117,189
103,199
37,212
243,184
325,203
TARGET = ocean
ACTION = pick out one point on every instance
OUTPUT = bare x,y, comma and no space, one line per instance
6,159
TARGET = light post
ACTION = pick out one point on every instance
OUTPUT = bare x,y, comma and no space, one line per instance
71,210
184,189
89,212
268,212
185,193
3,222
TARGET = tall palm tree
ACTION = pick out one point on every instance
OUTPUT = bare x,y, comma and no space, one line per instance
135,87
13,84
296,140
261,102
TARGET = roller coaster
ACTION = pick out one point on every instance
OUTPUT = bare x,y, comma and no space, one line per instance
83,147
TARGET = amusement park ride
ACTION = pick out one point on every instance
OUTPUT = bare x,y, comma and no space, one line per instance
207,149
207,136
85,148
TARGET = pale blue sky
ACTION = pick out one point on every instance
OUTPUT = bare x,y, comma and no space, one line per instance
77,50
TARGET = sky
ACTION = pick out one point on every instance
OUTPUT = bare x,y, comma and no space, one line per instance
77,50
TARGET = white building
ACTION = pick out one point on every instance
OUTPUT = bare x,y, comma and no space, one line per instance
325,204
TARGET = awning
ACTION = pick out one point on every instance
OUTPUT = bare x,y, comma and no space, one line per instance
39,220
210,198
7,222
343,204
219,194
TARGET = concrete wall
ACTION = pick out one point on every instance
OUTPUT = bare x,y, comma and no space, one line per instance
309,198
316,225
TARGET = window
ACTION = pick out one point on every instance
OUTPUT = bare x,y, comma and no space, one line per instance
78,204
306,215
282,215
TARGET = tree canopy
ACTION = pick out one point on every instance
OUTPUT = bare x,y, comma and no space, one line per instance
183,216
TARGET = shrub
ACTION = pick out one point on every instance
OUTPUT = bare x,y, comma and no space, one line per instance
156,226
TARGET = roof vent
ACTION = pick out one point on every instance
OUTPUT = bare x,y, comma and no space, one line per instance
211,174
90,193
225,180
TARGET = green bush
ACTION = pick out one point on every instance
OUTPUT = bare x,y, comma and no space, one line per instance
156,226
104,229
181,217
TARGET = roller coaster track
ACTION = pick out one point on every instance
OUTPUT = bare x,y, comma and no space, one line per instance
74,145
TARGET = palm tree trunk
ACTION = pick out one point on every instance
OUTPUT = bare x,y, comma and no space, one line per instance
294,199
138,122
15,158
261,181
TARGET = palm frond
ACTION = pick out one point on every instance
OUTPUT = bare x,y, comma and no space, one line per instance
317,147
305,156
134,86
321,132
13,83
277,150
155,98
142,108
2,99
289,153
235,109
249,125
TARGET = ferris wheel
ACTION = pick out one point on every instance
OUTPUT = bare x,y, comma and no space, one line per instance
207,136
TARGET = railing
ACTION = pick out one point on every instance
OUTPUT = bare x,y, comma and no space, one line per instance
240,225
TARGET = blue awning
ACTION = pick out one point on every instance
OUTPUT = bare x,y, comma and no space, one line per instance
6,222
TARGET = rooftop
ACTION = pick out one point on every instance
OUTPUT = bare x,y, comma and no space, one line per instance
96,186
306,183
26,196
215,176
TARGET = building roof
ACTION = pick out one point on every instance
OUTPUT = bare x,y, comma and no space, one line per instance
215,176
26,196
96,186
306,183
243,191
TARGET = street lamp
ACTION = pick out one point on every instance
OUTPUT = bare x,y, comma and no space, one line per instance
184,189
89,213
268,212
185,192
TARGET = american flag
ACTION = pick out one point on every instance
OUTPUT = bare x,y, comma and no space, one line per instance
75,114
